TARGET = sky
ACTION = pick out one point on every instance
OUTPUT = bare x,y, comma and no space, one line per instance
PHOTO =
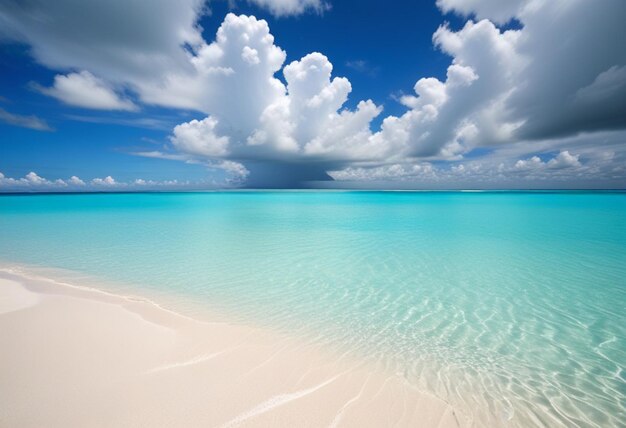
193,94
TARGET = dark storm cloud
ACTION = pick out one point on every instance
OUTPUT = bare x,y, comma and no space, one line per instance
575,80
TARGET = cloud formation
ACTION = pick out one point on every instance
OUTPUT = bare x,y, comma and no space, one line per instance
32,182
32,122
555,171
124,41
498,11
494,94
257,120
29,181
83,89
531,90
292,7
75,181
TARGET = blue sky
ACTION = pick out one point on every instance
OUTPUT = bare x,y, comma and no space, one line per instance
508,95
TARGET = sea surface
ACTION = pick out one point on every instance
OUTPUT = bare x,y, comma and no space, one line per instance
509,305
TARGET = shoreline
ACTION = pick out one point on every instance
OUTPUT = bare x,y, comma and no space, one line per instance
83,356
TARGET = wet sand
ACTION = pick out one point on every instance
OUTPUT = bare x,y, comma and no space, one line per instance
73,356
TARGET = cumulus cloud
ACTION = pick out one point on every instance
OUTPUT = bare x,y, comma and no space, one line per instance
106,181
234,75
32,182
33,178
257,120
305,121
83,89
562,170
564,160
29,182
31,122
76,181
532,163
198,138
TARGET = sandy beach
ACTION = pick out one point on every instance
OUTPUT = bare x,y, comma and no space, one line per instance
74,356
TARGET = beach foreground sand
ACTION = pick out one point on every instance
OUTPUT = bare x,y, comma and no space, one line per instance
72,356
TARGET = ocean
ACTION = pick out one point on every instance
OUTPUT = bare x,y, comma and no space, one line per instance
511,306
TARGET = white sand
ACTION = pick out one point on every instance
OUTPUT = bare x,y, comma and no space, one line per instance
72,357
13,296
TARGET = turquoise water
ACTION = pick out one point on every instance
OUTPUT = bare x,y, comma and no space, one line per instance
511,306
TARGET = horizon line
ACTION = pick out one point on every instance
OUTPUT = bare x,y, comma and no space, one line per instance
295,190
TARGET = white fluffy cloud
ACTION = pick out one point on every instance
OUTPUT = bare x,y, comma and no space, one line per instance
562,160
560,170
198,138
106,181
306,121
76,181
33,178
83,89
32,182
253,116
233,76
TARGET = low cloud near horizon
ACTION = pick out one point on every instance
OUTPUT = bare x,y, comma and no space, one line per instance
540,105
33,182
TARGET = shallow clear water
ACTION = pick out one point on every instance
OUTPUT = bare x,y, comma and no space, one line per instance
511,306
